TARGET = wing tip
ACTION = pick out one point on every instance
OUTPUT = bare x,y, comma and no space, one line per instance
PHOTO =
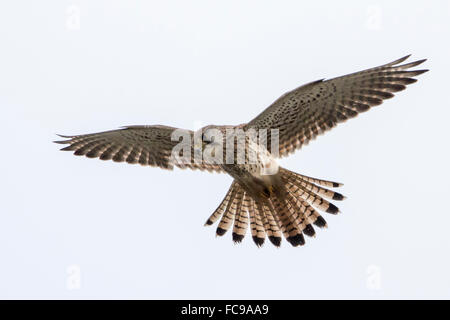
395,62
410,64
418,72
61,141
64,137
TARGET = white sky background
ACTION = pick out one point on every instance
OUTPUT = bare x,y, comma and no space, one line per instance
129,231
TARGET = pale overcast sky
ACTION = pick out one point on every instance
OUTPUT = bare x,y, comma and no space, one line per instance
73,227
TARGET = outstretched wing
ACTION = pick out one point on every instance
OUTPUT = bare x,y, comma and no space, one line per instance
302,114
146,145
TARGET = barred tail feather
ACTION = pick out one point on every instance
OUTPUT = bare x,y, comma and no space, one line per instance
221,208
320,182
270,224
230,211
241,219
289,225
256,224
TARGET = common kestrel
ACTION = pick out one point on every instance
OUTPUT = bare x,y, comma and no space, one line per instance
273,200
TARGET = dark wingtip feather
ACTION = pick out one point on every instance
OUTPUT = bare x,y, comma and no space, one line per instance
79,152
296,240
413,64
91,155
332,209
404,58
237,238
68,148
385,95
408,80
208,222
258,241
65,137
337,184
220,232
62,141
417,72
276,241
105,156
393,63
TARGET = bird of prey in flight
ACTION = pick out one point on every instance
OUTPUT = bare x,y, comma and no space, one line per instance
273,201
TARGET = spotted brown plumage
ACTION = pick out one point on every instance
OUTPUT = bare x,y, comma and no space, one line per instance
283,203
305,112
146,145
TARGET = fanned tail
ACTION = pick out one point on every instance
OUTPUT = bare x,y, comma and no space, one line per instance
290,210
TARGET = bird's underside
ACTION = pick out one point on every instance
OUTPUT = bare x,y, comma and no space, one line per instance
276,204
